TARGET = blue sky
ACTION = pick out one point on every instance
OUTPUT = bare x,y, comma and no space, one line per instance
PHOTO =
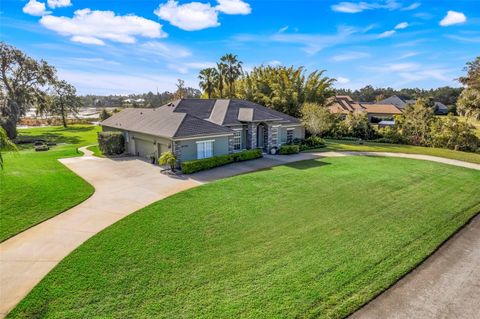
126,46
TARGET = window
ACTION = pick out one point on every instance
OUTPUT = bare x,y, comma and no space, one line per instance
237,140
290,136
204,149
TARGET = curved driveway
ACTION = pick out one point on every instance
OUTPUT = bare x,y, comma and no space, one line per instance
122,186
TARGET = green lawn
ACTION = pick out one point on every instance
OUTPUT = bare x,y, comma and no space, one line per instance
35,185
309,239
96,150
344,145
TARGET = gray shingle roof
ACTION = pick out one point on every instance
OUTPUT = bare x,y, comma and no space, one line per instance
161,121
192,117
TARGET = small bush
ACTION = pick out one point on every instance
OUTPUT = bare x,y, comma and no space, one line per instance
189,167
289,149
247,155
167,158
111,143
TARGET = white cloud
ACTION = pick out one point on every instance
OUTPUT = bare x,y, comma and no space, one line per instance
349,56
351,7
87,40
184,68
342,80
313,43
59,3
190,16
195,16
35,8
274,63
453,17
387,34
356,7
283,29
402,66
401,25
413,6
233,7
164,50
92,27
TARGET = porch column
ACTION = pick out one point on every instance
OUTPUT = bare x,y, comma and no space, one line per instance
177,151
252,136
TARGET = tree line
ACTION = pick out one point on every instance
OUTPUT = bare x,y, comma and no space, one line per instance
446,95
286,89
150,99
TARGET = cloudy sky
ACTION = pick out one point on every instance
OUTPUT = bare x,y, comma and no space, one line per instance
127,46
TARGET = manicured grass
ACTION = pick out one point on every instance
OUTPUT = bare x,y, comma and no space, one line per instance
35,185
96,150
309,239
345,145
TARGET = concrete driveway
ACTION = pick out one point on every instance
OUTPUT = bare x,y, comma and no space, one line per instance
122,186
446,285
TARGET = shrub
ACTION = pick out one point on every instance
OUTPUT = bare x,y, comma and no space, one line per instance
189,167
111,143
104,115
247,155
289,149
167,158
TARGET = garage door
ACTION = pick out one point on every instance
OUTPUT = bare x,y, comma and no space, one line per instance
144,148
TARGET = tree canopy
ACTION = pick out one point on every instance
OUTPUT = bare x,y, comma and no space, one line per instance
22,83
469,101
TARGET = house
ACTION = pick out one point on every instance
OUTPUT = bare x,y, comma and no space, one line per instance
201,128
342,104
438,107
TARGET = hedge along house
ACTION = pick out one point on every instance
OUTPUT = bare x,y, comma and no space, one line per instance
201,128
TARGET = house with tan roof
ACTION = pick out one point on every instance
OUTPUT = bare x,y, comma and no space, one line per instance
201,128
376,112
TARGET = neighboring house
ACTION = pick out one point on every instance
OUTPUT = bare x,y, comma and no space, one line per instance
375,111
438,107
201,128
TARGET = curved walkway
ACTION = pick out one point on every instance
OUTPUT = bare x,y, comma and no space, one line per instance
122,186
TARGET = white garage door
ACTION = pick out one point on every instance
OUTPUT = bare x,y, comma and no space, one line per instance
144,148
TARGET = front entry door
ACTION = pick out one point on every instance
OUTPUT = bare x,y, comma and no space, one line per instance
262,137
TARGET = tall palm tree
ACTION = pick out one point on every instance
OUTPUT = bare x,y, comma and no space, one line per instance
208,78
233,70
220,78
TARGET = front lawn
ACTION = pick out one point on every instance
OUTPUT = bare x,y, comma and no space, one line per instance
35,185
346,145
316,238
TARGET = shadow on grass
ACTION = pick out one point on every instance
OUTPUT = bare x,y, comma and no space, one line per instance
307,164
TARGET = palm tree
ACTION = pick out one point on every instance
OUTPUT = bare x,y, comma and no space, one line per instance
208,78
220,78
233,70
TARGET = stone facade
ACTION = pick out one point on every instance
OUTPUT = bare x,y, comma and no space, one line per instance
252,136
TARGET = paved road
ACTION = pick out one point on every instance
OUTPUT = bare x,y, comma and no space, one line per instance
446,285
122,186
